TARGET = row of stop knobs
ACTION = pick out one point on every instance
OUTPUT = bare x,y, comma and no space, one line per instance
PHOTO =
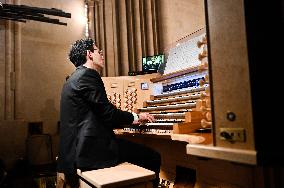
130,98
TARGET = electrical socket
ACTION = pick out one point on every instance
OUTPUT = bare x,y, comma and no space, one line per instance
233,134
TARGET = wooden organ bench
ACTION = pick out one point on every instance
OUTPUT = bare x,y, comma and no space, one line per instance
122,175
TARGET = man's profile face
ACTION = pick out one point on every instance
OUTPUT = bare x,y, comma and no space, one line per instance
97,56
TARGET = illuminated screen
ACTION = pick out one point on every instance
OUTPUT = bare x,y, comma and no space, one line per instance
152,63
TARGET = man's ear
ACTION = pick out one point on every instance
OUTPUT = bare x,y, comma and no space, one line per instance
89,54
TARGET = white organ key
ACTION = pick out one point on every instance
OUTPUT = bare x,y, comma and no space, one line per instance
187,90
158,124
176,106
169,114
169,120
186,97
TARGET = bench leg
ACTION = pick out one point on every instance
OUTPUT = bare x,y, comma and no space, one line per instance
60,180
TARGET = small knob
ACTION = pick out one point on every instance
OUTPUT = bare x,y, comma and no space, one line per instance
231,116
208,116
202,55
203,41
206,124
201,82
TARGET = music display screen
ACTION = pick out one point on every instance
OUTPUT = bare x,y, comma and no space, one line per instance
152,63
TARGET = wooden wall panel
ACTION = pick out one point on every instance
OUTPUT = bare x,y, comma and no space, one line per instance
9,71
177,19
2,69
229,67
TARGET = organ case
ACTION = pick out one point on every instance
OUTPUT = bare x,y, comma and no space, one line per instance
179,98
230,103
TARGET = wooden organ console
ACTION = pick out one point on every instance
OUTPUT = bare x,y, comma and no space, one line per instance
205,121
179,99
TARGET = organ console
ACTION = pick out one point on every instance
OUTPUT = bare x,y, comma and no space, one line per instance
206,107
179,99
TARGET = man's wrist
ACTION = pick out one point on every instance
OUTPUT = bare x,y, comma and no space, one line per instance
135,116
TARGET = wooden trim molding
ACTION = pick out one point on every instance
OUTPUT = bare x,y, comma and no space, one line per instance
229,154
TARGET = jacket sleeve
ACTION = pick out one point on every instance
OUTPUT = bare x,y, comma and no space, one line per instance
92,89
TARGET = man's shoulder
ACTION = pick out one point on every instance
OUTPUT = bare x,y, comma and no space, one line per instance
86,72
85,76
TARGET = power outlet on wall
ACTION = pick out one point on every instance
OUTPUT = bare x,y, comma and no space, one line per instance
233,134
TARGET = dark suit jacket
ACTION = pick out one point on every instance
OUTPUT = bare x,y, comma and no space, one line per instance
87,120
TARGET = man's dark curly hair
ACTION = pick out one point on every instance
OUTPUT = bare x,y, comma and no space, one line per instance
78,51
